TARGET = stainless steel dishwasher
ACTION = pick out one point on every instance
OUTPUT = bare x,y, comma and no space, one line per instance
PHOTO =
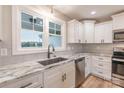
80,71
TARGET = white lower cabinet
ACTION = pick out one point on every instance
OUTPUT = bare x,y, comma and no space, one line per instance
87,66
101,66
62,76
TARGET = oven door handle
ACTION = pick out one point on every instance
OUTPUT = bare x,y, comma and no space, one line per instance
116,59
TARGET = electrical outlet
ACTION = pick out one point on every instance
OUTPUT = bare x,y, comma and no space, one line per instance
3,52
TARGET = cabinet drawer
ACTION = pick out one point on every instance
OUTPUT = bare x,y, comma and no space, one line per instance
103,65
98,71
102,59
28,81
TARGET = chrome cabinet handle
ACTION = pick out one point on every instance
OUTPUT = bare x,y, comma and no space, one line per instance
65,76
62,78
100,58
100,72
85,41
103,40
26,85
100,64
79,41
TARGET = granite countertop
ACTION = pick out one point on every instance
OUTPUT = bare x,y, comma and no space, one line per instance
11,72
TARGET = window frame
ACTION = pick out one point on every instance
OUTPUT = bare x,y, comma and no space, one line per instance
62,23
16,31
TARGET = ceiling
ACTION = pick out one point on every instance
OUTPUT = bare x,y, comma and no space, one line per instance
81,12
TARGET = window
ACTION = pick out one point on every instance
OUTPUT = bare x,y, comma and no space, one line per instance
31,31
55,37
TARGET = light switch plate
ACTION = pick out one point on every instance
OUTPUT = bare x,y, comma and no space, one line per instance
3,52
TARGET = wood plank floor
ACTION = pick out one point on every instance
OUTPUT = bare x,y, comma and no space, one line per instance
95,82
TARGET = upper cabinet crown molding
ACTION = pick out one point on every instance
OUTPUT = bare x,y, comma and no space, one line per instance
118,21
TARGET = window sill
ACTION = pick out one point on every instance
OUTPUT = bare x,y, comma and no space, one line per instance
29,51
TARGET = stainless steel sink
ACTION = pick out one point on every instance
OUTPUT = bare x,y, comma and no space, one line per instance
52,61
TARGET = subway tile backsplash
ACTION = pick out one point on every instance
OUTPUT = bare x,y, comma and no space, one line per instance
97,48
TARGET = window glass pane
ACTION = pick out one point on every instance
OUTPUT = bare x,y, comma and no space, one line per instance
38,38
55,40
38,28
28,26
38,21
51,25
58,27
58,32
38,24
52,31
26,21
27,38
31,38
26,17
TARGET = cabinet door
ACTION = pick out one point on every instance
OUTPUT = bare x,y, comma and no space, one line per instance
108,32
81,33
76,34
53,78
89,32
71,32
87,66
69,72
99,30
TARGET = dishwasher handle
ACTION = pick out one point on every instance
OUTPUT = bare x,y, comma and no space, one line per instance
79,59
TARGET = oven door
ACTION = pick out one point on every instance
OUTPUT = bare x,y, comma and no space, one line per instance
118,67
119,36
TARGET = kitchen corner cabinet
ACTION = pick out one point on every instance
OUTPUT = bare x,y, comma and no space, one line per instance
103,32
62,76
89,31
1,23
118,21
75,31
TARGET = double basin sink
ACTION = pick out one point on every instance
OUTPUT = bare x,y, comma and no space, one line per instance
52,61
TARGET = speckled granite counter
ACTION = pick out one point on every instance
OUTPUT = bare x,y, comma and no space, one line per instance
11,72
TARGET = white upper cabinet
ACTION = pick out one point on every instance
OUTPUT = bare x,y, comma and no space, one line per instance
118,21
75,32
1,23
89,31
103,32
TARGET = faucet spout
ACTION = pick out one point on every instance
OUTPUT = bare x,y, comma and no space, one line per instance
50,45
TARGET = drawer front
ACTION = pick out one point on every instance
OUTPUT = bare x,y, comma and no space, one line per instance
103,59
101,72
103,65
29,81
98,71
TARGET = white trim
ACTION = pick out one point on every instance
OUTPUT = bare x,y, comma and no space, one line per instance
16,48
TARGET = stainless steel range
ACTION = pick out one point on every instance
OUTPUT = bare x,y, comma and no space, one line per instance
118,66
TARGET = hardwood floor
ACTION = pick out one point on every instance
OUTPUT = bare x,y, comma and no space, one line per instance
95,82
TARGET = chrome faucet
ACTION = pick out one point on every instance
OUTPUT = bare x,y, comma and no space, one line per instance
50,45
